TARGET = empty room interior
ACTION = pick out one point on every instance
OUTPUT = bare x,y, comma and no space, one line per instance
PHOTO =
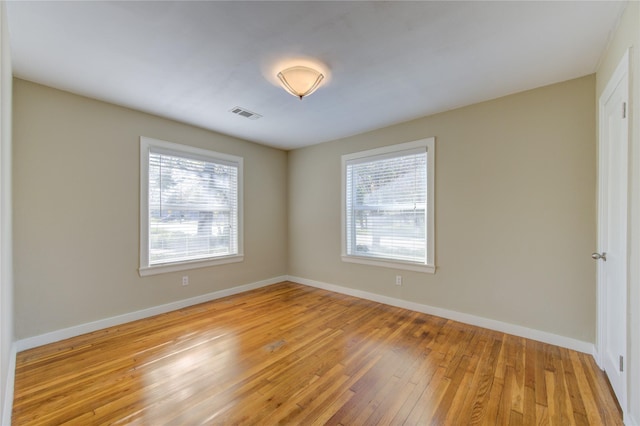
312,212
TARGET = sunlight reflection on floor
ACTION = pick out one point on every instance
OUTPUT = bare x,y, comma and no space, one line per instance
188,379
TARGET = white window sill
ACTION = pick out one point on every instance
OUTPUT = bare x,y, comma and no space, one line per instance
394,264
183,266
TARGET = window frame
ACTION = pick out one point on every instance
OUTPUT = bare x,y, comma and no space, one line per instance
146,146
428,144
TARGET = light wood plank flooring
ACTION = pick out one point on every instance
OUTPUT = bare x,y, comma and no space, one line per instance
291,354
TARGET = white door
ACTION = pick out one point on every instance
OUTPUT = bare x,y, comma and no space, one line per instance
612,230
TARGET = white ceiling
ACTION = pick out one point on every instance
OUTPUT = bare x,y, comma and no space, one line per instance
388,62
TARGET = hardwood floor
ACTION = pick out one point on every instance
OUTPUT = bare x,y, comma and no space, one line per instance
291,354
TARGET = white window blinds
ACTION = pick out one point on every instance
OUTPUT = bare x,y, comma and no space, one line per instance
386,205
191,208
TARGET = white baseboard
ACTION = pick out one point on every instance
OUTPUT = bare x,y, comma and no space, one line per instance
7,409
56,336
516,330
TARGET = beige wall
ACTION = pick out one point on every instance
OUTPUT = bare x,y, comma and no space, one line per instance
515,211
76,210
627,37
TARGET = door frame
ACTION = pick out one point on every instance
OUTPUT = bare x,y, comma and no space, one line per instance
622,71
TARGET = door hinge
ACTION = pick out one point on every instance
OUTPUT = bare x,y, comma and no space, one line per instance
621,363
624,110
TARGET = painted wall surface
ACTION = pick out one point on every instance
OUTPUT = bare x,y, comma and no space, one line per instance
6,274
76,209
627,36
515,211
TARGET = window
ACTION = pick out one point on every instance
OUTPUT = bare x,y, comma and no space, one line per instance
190,207
388,206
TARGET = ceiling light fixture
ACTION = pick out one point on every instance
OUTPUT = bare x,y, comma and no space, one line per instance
300,81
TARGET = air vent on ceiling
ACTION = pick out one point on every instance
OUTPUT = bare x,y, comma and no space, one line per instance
245,113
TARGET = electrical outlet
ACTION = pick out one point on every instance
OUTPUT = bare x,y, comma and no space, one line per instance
185,280
398,279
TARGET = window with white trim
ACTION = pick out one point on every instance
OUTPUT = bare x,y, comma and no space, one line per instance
387,214
190,207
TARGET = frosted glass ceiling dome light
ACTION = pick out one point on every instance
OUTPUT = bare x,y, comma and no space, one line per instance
300,81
